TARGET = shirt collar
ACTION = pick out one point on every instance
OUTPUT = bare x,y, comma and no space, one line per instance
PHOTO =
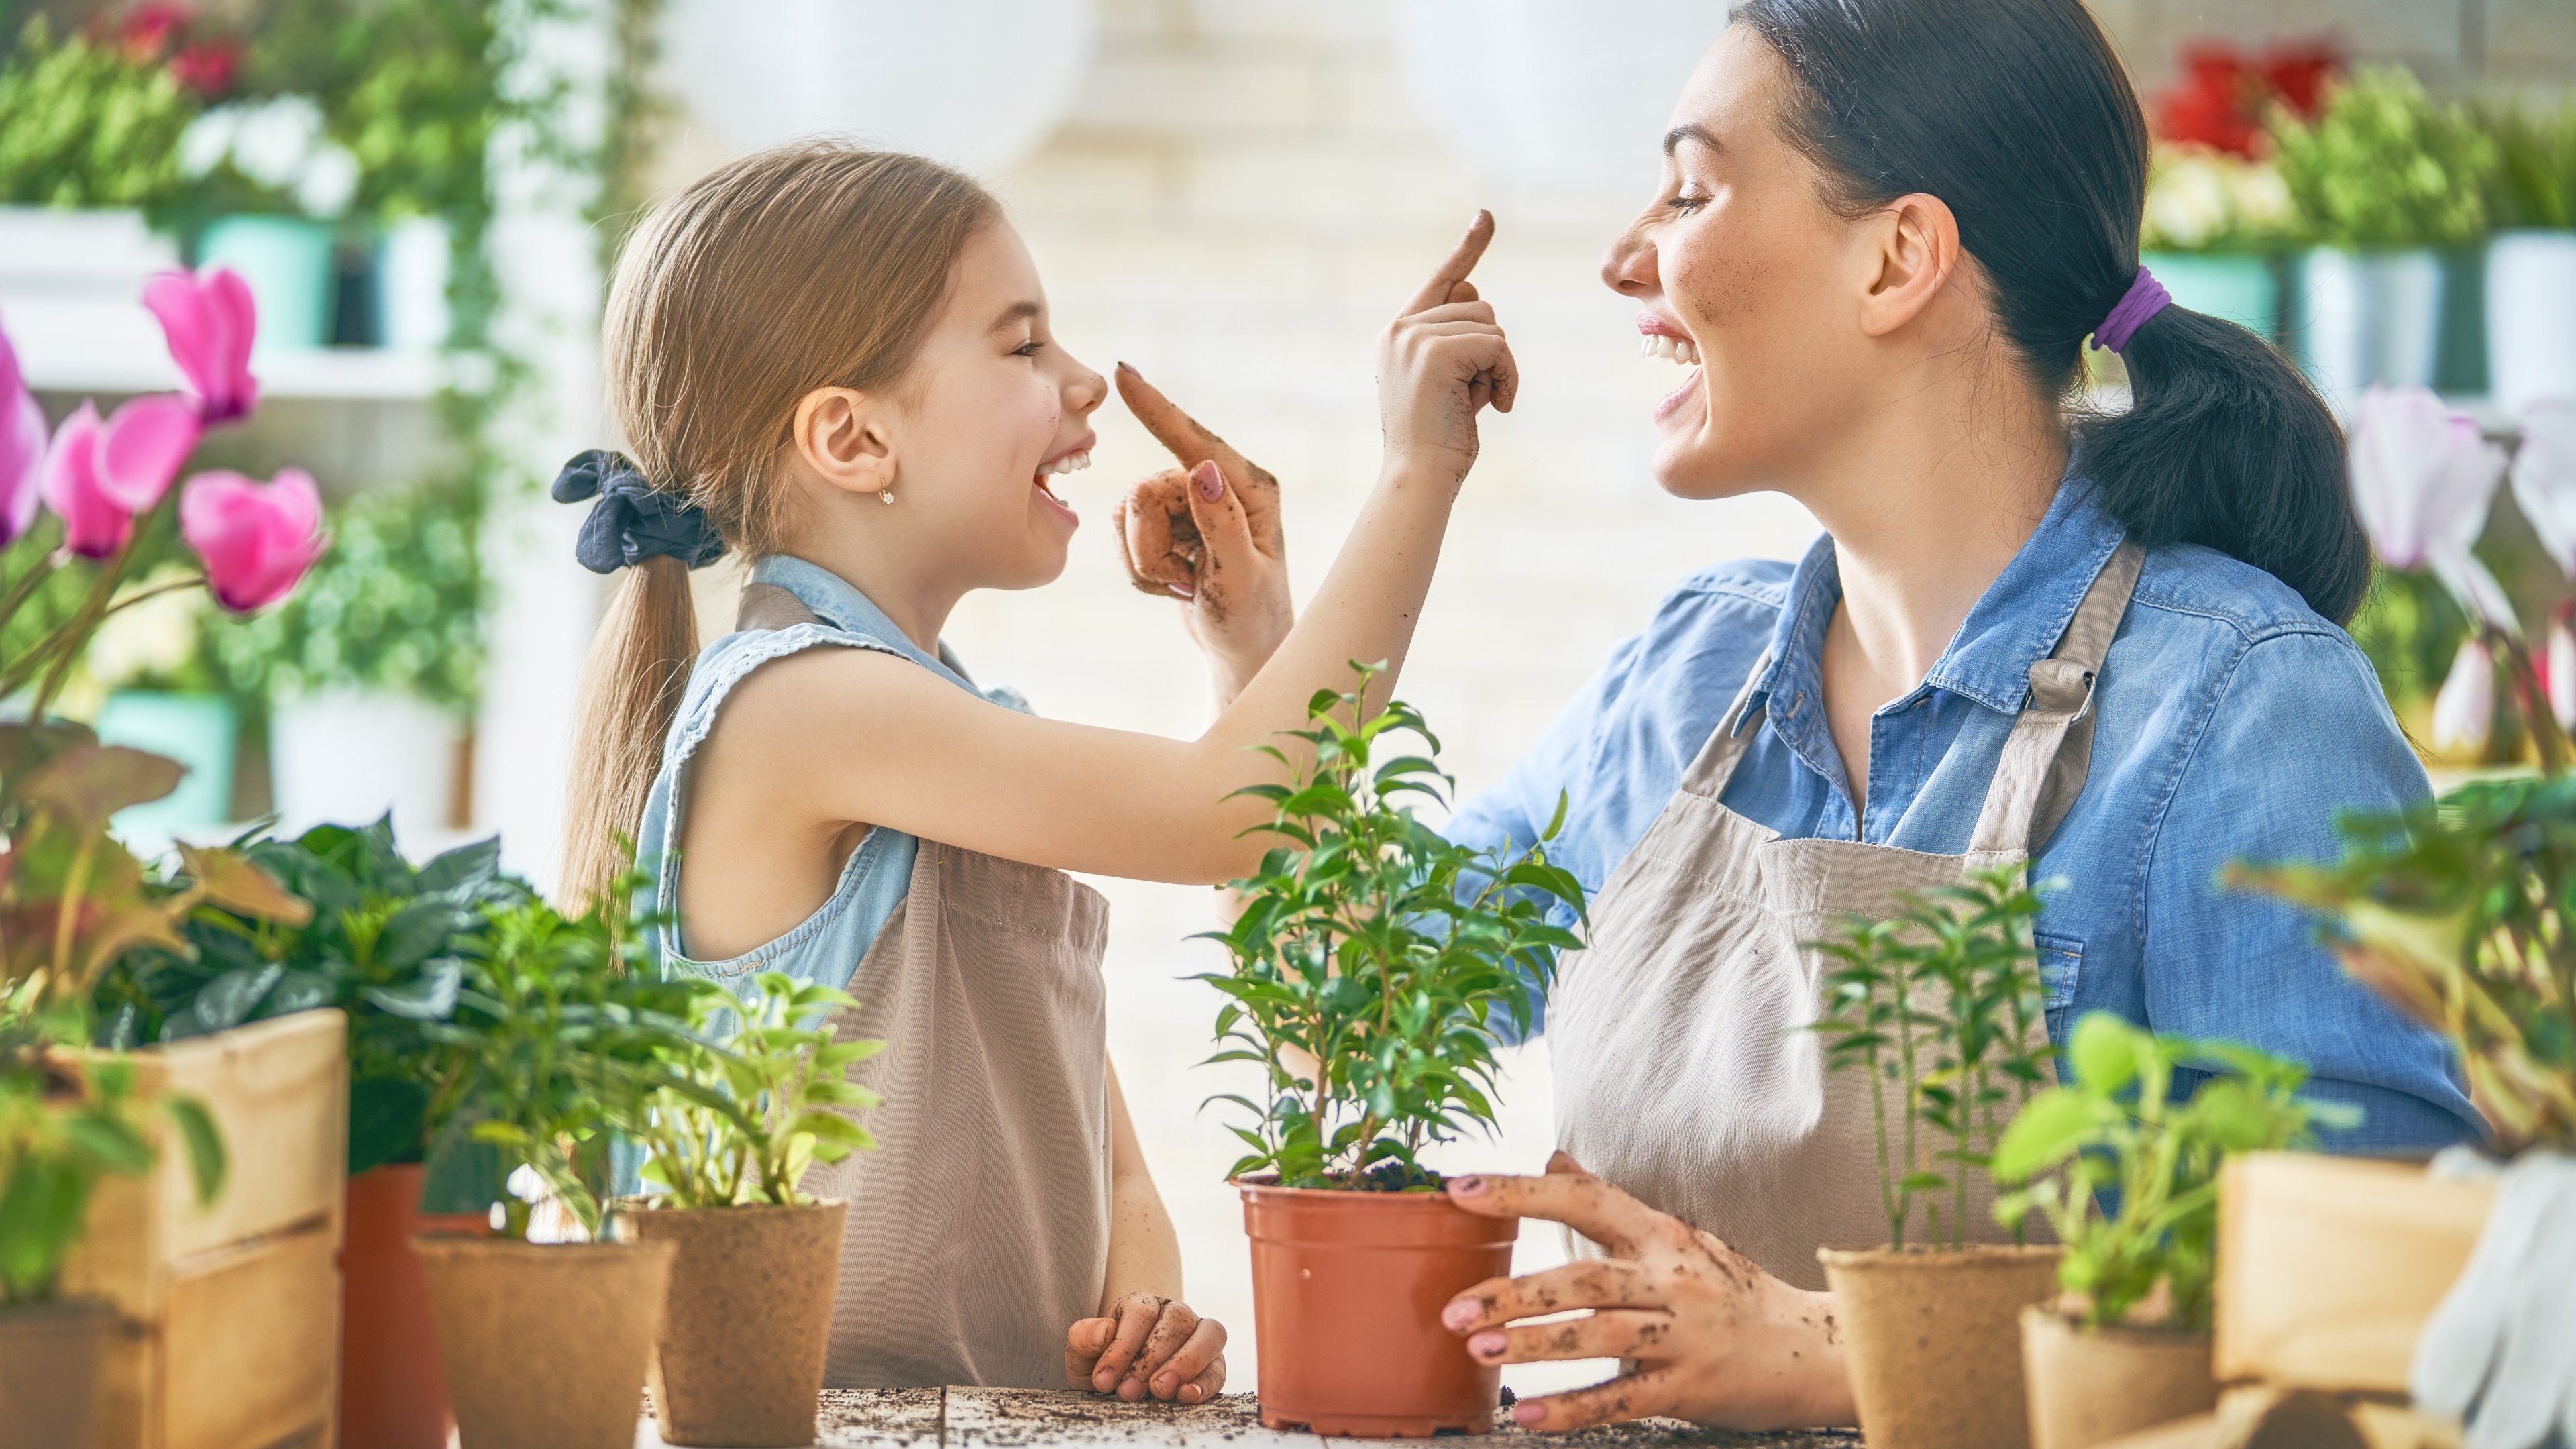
2015,624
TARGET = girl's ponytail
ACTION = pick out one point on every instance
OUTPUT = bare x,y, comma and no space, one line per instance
2225,444
819,264
2018,114
630,689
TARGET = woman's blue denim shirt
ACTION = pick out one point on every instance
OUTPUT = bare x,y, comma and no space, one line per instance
2234,724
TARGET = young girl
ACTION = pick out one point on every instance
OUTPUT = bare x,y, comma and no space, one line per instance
837,362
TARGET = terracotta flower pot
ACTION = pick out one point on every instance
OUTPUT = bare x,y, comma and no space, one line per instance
1934,1341
50,1355
741,1361
2090,1385
546,1345
1347,1289
393,1394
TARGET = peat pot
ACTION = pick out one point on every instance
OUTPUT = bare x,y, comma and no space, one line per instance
2369,319
2090,1385
1347,1289
1934,1340
2531,317
546,1344
741,1359
393,1394
50,1354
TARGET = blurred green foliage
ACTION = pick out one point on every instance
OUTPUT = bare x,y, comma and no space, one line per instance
2384,165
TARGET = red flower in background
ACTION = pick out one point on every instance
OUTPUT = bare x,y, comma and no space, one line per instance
147,31
2226,91
206,68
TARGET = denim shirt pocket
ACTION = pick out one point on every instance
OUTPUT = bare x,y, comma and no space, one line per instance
2060,958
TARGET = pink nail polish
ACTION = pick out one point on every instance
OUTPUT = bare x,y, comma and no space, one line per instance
1211,482
1466,1186
1527,1414
1459,1315
1486,1344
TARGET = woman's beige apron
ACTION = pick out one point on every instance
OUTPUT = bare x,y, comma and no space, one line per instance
1684,1070
979,1227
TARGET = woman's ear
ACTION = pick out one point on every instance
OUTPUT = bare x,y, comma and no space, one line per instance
847,438
1917,245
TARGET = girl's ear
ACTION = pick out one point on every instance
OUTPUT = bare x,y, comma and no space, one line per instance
1916,247
847,438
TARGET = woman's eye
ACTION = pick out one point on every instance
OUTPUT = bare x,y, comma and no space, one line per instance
1683,205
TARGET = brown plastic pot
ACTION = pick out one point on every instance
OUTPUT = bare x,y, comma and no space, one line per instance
741,1360
393,1394
1934,1341
546,1345
2091,1385
1347,1289
50,1355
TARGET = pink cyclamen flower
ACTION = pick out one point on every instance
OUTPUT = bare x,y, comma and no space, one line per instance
2423,478
2544,477
2558,670
256,539
209,320
22,447
2464,708
99,475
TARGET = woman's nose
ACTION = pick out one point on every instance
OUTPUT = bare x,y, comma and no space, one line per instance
1628,268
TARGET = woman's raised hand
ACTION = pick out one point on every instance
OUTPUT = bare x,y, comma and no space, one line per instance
1207,533
1701,1332
1439,363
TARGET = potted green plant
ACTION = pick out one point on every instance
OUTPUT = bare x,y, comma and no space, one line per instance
1367,957
726,1140
2386,180
562,1024
2124,1166
1939,1006
386,946
2531,264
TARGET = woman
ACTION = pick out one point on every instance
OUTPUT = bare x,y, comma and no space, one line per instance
1885,231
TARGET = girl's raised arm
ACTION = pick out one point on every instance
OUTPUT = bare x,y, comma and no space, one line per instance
855,736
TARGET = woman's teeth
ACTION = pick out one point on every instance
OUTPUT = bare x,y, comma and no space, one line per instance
1069,463
1674,349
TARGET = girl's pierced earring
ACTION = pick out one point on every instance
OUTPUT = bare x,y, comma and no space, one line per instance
886,498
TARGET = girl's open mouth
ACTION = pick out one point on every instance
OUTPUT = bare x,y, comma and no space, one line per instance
1044,478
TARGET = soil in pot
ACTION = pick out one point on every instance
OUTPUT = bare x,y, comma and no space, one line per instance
1934,1341
546,1345
1347,1289
2091,1385
393,1393
50,1355
750,1312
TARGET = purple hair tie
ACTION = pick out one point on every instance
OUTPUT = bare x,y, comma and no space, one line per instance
2144,299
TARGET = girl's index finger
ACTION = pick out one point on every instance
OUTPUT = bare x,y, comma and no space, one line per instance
1471,249
1183,436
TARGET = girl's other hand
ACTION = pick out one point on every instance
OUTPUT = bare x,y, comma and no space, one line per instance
1440,362
1147,1345
1700,1331
1208,534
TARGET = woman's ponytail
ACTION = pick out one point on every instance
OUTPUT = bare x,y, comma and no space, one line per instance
630,688
2018,114
2225,444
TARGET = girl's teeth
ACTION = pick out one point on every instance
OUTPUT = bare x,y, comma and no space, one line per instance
1069,463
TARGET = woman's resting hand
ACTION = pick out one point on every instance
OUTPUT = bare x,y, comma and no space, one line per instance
1221,556
1701,1332
1147,1344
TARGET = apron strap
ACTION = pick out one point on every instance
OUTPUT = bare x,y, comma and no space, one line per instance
1717,759
2051,745
767,606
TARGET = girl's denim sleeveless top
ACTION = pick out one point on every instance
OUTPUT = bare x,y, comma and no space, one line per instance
826,946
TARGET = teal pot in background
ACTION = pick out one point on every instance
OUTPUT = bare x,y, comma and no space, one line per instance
2243,287
200,732
2531,317
2369,319
292,267
411,285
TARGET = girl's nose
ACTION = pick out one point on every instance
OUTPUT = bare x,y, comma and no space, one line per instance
1085,390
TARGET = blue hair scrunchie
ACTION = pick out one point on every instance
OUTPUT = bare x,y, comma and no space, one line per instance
633,520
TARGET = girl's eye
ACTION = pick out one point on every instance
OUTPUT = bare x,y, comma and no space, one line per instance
1029,348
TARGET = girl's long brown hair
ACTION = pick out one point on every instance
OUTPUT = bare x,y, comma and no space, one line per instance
819,264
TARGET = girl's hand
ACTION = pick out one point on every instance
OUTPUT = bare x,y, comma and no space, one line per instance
1439,363
1701,1332
1147,1344
1207,533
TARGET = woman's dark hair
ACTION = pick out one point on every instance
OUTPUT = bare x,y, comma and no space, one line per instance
2017,114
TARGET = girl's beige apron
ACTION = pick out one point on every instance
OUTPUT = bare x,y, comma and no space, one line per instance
979,1227
1684,1070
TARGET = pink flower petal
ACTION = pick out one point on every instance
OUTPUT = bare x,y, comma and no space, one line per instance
2464,708
256,540
22,463
93,525
140,454
209,321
